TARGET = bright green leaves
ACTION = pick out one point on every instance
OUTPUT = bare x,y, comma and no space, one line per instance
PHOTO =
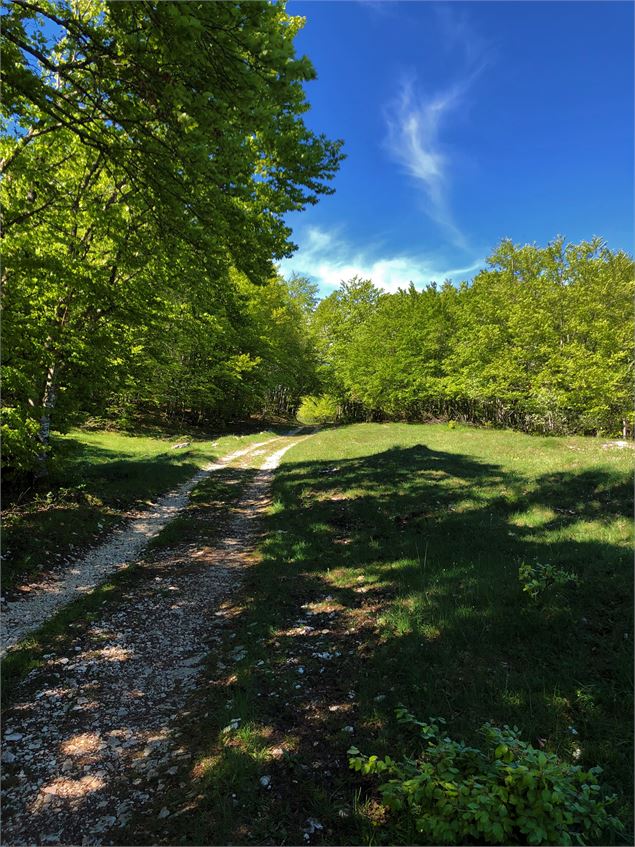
154,148
506,792
541,341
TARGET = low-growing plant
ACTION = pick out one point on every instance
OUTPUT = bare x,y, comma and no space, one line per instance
536,579
505,793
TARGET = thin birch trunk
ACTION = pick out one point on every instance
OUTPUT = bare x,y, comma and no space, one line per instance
49,399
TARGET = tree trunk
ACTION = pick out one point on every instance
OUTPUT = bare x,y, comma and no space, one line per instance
48,404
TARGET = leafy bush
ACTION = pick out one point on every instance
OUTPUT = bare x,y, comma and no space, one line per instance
536,579
508,792
20,447
323,409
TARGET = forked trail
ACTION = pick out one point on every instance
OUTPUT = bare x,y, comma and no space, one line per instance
92,735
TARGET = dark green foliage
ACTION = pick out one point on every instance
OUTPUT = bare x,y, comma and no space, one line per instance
538,579
506,792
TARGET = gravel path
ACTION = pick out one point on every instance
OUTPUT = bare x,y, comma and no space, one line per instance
92,736
29,612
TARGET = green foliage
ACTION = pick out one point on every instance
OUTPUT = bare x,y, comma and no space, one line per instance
506,792
322,409
538,579
159,181
219,151
540,341
20,448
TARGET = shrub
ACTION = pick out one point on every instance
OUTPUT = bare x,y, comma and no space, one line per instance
323,409
506,793
536,579
20,447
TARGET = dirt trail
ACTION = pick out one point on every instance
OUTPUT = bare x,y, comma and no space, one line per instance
27,613
91,736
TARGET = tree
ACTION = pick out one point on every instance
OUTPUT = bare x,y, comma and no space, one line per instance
155,148
199,104
334,320
541,340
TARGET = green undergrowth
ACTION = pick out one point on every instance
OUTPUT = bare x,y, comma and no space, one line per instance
400,547
96,477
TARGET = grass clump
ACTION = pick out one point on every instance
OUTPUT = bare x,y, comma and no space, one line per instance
505,792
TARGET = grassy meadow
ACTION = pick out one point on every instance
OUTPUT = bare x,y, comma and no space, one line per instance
389,575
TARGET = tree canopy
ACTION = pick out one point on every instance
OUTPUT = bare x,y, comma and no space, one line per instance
541,340
150,154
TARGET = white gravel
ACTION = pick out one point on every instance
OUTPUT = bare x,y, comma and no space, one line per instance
29,612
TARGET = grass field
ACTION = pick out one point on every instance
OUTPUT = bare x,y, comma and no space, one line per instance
389,575
95,478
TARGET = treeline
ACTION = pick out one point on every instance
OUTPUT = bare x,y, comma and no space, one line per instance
541,340
150,153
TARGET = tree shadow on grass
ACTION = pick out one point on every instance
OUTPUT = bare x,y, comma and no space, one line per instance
394,579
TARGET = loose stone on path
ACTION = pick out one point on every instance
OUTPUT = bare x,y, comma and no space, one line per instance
92,737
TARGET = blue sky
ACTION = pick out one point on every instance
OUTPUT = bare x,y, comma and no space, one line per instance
464,123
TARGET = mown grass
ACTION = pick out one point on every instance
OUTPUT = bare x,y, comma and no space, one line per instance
400,546
95,478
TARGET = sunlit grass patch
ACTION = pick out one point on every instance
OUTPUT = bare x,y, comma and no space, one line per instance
534,516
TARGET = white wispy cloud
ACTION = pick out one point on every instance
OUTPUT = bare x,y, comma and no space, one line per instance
413,141
329,259
415,122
